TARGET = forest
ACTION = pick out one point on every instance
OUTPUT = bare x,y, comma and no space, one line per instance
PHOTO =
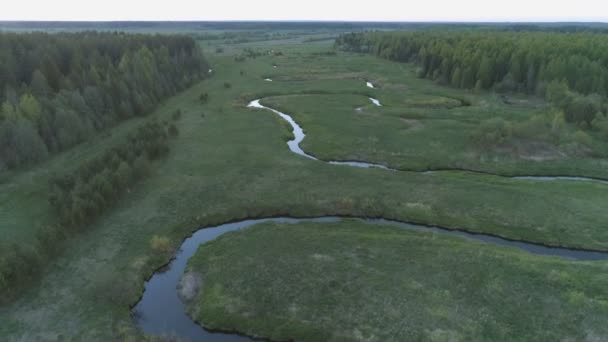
570,70
58,89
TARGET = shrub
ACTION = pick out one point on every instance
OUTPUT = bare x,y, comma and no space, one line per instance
493,131
582,138
141,166
177,114
420,73
601,124
582,109
160,244
534,128
173,132
507,84
204,97
227,85
478,87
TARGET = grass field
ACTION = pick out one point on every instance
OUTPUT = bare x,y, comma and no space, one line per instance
230,162
352,281
421,125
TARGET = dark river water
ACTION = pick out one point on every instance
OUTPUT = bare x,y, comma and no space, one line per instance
161,312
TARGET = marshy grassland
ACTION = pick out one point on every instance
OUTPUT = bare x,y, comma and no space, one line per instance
230,162
357,281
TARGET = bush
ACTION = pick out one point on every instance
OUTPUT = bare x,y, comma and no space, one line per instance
582,109
141,166
160,244
493,131
535,127
601,124
582,138
507,84
478,87
173,132
420,73
177,114
204,97
227,85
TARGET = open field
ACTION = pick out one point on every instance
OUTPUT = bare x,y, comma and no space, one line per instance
230,162
421,125
353,281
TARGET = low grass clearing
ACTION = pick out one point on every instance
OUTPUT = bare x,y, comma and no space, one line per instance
354,281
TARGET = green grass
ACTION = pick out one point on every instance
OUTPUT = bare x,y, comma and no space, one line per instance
355,281
232,163
422,125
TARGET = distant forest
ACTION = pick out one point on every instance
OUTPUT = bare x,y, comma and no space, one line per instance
570,70
58,89
201,26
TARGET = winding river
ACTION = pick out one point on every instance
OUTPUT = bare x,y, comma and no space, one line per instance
161,312
298,132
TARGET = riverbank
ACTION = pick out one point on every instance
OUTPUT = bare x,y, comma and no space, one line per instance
162,310
352,281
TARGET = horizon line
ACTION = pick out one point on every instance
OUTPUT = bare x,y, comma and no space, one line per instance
441,21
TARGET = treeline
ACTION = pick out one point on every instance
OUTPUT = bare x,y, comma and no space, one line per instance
80,196
58,89
571,70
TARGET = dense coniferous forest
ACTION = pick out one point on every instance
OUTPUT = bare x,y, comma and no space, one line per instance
58,89
571,70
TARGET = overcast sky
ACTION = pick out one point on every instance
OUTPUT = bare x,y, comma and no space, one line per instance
347,10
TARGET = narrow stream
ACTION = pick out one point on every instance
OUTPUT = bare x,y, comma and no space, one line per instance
564,178
298,132
375,101
161,312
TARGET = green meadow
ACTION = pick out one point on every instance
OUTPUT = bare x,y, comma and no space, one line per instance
353,281
230,162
